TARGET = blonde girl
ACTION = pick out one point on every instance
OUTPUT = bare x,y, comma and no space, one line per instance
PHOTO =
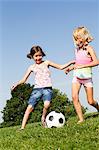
85,60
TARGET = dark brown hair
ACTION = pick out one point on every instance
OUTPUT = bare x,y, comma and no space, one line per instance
34,50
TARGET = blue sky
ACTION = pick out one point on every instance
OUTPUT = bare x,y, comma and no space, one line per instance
50,24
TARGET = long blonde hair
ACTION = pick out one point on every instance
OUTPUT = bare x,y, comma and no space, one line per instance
83,33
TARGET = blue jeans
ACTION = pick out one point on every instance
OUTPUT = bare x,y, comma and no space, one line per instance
38,94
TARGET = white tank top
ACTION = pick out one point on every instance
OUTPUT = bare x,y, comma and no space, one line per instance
42,75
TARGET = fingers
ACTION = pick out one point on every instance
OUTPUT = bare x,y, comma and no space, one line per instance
13,87
67,70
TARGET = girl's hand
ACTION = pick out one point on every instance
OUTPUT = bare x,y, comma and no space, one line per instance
13,87
23,80
67,70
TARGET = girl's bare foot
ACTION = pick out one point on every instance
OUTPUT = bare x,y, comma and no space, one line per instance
80,121
20,129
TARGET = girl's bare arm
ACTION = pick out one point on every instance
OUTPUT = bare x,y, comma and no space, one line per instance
68,69
52,64
24,79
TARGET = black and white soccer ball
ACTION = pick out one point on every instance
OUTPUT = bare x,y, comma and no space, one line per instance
55,119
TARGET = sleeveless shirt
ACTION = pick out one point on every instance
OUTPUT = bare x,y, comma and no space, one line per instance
82,58
42,75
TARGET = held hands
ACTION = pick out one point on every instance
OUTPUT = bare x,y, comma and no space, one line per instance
75,66
67,70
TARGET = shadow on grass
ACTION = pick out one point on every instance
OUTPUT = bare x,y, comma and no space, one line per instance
92,115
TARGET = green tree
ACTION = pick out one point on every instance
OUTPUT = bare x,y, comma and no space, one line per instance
15,107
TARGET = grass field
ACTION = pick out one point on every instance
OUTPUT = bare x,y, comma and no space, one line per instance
70,137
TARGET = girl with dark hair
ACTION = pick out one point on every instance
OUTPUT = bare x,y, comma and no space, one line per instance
43,84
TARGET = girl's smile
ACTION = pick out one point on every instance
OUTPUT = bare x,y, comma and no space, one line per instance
38,57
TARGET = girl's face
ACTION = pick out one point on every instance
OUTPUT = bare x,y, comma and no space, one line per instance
38,57
79,41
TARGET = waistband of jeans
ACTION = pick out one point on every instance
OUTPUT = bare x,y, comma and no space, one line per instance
43,88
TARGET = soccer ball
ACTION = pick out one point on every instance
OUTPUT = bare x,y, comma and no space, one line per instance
55,119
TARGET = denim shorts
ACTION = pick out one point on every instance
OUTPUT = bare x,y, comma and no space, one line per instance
38,94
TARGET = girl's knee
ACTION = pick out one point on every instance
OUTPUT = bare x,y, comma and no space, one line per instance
46,104
29,109
75,97
91,102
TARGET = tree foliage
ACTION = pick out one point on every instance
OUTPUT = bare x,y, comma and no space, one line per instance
15,107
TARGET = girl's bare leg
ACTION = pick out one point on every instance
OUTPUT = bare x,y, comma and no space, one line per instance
46,106
75,96
90,99
26,116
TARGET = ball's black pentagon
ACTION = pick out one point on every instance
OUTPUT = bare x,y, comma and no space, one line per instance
53,127
51,118
61,120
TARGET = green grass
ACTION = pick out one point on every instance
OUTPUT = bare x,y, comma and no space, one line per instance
70,137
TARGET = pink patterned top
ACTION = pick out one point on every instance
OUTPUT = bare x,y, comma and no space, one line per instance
42,75
82,57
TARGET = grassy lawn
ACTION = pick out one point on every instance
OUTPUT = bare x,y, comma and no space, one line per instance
71,137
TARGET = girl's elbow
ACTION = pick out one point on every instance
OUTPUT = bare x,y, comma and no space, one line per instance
23,81
61,67
97,62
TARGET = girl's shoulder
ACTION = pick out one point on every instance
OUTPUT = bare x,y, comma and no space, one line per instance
46,62
89,49
31,67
